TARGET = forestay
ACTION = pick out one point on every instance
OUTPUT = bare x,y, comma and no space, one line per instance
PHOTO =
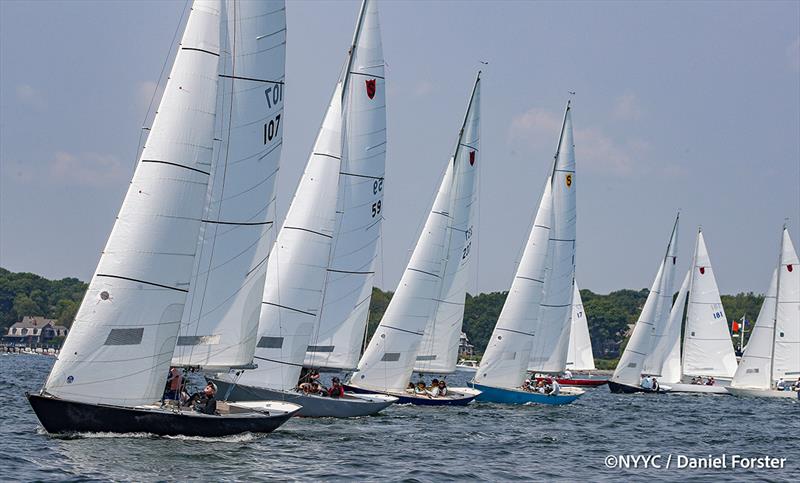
388,362
656,358
218,327
551,340
119,349
298,263
580,356
505,362
707,346
338,336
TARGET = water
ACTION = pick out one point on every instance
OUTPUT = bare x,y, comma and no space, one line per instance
405,443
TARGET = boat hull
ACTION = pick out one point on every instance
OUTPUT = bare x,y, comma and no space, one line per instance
618,388
62,416
576,382
697,389
457,396
514,396
769,393
350,406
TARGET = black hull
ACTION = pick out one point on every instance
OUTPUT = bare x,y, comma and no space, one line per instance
455,398
618,388
60,416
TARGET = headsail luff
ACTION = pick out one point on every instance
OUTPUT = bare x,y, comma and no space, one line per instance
551,342
505,362
337,338
786,358
119,349
388,362
218,327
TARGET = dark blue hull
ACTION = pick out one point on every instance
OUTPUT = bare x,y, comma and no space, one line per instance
618,388
454,398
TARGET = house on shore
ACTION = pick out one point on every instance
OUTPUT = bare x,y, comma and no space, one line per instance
34,330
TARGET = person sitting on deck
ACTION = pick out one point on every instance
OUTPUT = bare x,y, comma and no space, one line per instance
540,387
555,387
410,388
567,374
433,391
796,385
647,383
526,385
421,390
174,384
781,385
442,388
336,390
205,402
655,384
711,381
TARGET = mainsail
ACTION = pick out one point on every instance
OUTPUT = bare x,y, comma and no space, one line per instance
297,268
428,281
218,327
579,356
505,362
707,346
119,349
773,351
338,335
551,339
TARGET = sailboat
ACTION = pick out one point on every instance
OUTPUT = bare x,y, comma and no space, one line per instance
627,377
773,352
707,345
526,323
354,126
421,326
110,374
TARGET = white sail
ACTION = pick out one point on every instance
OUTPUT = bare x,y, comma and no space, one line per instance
218,328
298,263
707,345
754,369
579,356
388,362
551,340
787,316
339,334
119,349
505,361
631,362
655,359
667,353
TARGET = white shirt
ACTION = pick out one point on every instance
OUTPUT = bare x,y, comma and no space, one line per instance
567,374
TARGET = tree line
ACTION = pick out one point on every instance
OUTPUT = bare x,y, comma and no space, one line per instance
609,316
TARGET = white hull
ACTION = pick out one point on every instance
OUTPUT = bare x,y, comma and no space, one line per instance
695,388
770,393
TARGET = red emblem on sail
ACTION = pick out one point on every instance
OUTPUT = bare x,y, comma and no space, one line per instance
702,270
789,267
371,88
471,158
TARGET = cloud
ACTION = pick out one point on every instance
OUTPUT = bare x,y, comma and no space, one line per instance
29,96
793,53
423,88
596,151
627,108
86,169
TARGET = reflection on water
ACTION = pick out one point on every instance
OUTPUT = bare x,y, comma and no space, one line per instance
483,441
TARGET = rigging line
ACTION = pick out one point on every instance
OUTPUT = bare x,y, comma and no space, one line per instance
228,76
139,147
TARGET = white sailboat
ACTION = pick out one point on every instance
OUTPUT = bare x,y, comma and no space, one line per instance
627,377
297,268
773,351
525,321
425,313
707,345
110,374
579,356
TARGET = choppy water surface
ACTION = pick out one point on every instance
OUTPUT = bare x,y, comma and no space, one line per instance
482,441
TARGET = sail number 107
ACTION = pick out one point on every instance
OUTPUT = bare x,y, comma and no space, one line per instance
274,95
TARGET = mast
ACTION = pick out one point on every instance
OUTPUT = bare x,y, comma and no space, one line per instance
350,53
560,139
775,313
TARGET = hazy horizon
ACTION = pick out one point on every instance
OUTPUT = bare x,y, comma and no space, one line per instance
690,106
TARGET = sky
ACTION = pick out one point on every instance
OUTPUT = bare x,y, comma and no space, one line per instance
690,106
